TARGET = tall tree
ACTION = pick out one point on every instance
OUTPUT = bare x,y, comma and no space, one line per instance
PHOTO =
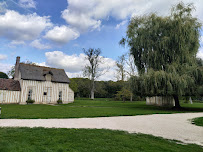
164,49
92,69
120,63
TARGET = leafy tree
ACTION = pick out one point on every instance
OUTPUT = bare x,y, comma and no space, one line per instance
100,91
112,87
164,49
3,75
74,85
124,94
92,70
80,86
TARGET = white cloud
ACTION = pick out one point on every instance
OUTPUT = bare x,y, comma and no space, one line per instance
27,3
201,40
71,63
5,67
82,22
88,14
121,24
74,64
37,44
200,53
17,27
3,57
42,64
62,34
15,42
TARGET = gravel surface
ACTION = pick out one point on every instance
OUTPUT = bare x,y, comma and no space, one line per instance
169,126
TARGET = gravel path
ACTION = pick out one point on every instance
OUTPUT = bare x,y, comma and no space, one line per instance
170,126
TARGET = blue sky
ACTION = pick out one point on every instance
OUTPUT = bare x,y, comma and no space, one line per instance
53,32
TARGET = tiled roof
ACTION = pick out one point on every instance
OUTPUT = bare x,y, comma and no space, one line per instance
34,72
9,84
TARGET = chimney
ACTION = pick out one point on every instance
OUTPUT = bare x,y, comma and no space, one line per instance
16,76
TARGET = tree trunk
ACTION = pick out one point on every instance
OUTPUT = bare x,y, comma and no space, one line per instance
123,99
191,101
131,97
177,103
92,90
92,94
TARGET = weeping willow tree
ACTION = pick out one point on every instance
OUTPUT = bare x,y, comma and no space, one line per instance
164,50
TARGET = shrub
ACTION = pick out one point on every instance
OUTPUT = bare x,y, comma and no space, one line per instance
59,101
30,101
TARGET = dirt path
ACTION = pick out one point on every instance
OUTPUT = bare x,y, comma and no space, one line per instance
169,126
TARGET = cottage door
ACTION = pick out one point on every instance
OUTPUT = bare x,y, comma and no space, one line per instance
48,95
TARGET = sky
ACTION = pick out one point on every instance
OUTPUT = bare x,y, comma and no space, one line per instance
54,32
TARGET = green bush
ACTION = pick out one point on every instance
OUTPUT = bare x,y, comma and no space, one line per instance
59,101
30,101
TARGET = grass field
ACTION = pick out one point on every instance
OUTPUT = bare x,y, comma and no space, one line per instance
85,140
198,121
89,108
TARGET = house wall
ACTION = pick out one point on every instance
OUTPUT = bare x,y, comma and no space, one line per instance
52,89
70,95
160,101
7,97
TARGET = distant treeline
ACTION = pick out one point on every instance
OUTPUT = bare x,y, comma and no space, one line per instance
103,89
106,89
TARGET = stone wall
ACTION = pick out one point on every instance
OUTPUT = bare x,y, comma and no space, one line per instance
160,101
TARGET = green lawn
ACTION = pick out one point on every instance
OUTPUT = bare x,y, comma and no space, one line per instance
85,140
198,121
89,108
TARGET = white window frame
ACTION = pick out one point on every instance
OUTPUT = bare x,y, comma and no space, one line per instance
30,94
60,95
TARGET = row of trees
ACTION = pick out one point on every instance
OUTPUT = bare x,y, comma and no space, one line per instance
103,89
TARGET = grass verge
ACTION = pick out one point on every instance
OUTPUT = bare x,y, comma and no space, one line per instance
89,108
198,121
85,140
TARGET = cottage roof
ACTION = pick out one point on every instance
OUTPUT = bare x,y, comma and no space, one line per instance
34,72
9,84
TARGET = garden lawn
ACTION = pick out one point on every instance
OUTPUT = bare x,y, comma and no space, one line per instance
85,140
198,121
89,108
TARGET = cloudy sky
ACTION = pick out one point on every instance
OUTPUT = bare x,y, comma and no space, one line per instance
53,32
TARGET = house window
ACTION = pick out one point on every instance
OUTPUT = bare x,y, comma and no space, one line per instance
30,94
60,95
45,93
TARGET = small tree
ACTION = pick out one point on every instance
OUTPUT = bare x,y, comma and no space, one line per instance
124,94
92,70
3,75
